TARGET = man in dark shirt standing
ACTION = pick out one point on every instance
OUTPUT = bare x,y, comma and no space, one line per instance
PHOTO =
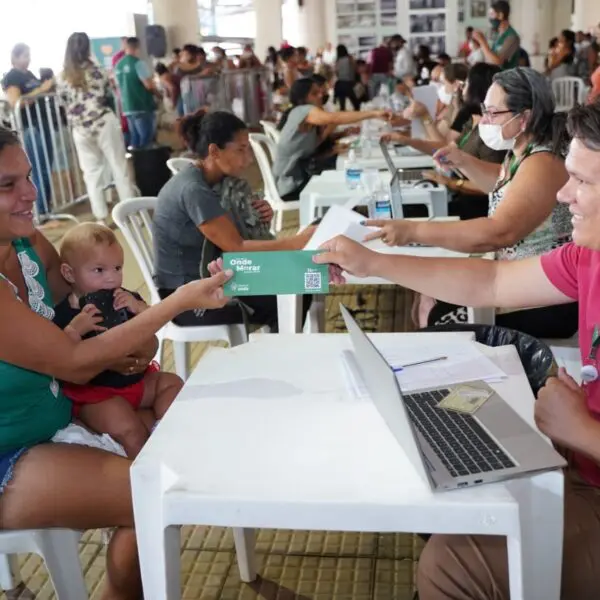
35,120
381,64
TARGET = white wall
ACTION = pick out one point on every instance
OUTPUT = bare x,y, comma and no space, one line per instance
180,19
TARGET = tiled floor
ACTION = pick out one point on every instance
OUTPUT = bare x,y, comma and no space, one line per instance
292,565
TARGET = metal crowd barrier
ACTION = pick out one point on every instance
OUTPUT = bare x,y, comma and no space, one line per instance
245,92
48,142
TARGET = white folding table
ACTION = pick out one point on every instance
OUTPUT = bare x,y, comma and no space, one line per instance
297,451
404,158
330,189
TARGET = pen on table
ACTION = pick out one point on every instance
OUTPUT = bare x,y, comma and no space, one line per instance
420,362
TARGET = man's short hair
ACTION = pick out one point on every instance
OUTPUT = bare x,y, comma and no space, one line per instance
133,43
502,6
583,123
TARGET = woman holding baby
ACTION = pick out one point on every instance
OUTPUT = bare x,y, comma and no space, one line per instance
44,484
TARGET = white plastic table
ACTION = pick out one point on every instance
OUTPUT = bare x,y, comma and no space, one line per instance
297,451
330,188
403,157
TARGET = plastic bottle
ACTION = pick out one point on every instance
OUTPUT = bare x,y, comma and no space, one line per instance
380,205
353,171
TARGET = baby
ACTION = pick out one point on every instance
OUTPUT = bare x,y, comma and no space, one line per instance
123,406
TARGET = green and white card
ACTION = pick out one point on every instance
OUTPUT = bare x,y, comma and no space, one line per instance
273,273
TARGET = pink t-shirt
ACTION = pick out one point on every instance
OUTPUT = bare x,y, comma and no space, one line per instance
575,271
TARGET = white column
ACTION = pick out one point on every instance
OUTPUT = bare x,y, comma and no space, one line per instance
180,19
269,26
312,30
534,21
586,15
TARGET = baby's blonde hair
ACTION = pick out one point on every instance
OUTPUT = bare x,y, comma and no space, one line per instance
84,237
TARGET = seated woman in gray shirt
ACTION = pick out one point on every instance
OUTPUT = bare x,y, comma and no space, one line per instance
303,128
192,224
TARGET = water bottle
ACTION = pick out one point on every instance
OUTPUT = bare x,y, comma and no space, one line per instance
380,205
353,171
365,146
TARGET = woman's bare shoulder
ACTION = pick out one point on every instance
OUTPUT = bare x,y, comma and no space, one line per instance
44,248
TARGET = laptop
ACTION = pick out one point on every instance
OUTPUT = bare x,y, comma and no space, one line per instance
451,449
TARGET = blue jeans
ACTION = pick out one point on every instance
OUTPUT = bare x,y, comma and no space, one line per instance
142,128
41,163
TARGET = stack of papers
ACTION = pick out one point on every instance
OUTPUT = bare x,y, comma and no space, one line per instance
465,362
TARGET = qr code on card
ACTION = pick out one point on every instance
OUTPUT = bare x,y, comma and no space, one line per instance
312,281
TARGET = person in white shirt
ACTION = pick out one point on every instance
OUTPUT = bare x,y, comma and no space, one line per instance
329,54
404,63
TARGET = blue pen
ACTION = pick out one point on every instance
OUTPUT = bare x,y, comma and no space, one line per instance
421,362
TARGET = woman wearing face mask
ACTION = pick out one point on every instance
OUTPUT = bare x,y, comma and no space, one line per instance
524,217
467,200
449,93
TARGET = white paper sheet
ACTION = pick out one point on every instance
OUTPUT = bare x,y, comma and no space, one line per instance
427,95
465,362
339,221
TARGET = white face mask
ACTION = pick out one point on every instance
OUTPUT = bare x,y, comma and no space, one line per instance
444,96
492,137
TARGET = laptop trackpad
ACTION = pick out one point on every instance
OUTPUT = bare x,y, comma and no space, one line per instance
501,420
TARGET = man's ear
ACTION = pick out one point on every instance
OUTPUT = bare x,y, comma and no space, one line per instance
67,272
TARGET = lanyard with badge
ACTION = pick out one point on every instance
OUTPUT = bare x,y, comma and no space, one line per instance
589,371
512,167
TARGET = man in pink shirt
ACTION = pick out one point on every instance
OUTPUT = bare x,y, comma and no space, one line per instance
462,567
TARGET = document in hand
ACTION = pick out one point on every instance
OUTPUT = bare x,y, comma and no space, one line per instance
339,221
272,273
427,95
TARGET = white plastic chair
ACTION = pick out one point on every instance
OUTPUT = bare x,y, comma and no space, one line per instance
271,131
60,550
568,91
258,141
178,164
134,220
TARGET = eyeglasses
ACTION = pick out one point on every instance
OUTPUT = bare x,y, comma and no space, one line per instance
485,112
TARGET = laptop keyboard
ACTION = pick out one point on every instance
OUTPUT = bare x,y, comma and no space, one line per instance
458,440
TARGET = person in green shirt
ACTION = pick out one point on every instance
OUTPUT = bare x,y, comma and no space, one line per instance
45,483
504,49
137,92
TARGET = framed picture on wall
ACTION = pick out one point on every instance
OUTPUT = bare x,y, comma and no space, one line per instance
479,9
426,4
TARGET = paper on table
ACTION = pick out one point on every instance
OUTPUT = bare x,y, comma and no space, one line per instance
465,363
338,221
427,95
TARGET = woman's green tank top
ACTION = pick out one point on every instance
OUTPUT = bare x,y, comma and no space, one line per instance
32,406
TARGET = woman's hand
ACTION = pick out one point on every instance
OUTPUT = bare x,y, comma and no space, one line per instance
384,115
204,293
264,209
392,232
436,177
343,254
395,137
415,110
450,156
